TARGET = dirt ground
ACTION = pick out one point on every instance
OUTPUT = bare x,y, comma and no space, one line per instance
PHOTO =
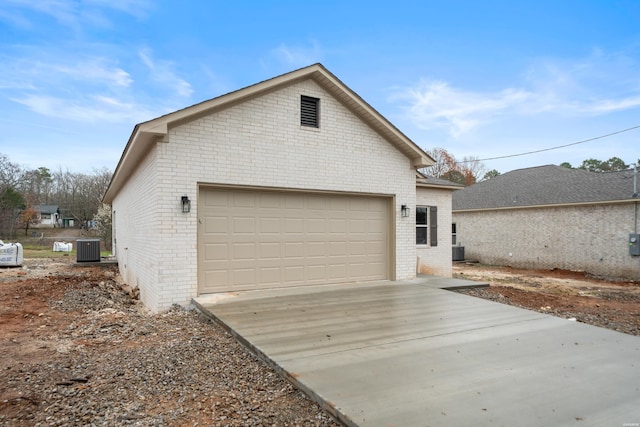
78,350
608,304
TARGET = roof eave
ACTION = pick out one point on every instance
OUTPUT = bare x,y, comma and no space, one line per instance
551,205
447,187
147,132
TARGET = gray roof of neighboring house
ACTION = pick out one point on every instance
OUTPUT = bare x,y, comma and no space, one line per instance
47,209
545,185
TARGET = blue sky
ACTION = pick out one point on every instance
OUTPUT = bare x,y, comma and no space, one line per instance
478,78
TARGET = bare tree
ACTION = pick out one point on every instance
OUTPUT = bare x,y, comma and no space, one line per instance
473,165
103,221
465,172
80,195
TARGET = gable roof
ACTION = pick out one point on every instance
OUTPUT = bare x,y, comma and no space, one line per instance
144,134
543,186
47,209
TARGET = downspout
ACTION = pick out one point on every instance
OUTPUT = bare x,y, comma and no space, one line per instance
635,196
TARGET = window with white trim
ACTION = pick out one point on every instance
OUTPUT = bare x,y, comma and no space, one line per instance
427,225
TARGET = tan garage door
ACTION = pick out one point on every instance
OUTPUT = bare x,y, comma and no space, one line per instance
263,239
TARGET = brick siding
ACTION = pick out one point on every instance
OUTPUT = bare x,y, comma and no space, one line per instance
590,238
256,143
436,260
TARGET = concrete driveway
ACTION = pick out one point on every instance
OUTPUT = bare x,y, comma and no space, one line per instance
411,354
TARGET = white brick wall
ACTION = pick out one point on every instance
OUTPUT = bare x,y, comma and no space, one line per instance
580,238
257,143
137,228
436,260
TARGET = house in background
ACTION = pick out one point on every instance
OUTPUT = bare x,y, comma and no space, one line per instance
552,217
49,216
293,181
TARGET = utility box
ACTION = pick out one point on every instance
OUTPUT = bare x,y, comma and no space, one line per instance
458,253
88,250
634,244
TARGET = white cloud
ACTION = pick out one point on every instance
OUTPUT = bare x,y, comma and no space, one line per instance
96,108
162,72
435,104
63,11
16,19
137,8
597,85
51,69
72,13
96,69
298,56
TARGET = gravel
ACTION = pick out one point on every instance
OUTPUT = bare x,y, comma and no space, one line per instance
102,359
625,319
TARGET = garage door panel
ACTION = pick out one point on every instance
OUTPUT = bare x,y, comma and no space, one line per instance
338,226
243,277
270,250
336,271
294,225
244,251
294,274
257,239
217,276
269,201
217,251
243,200
316,249
270,275
244,225
317,225
357,248
216,225
270,225
337,248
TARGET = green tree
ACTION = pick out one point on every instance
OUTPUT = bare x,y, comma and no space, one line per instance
11,200
566,165
11,204
611,165
491,174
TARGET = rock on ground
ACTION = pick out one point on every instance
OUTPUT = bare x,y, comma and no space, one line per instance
77,350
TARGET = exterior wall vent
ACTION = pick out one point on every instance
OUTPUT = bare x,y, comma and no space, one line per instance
309,111
88,250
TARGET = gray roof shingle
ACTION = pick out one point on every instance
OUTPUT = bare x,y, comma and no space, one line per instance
545,185
47,209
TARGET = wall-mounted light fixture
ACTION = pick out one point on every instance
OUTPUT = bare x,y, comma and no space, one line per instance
405,211
186,204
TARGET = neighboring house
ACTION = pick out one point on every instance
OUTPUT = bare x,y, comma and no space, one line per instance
551,217
433,219
49,216
293,181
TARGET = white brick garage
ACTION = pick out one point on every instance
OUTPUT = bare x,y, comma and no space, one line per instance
253,239
262,138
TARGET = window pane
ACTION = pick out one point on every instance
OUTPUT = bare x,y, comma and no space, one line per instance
421,235
421,215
